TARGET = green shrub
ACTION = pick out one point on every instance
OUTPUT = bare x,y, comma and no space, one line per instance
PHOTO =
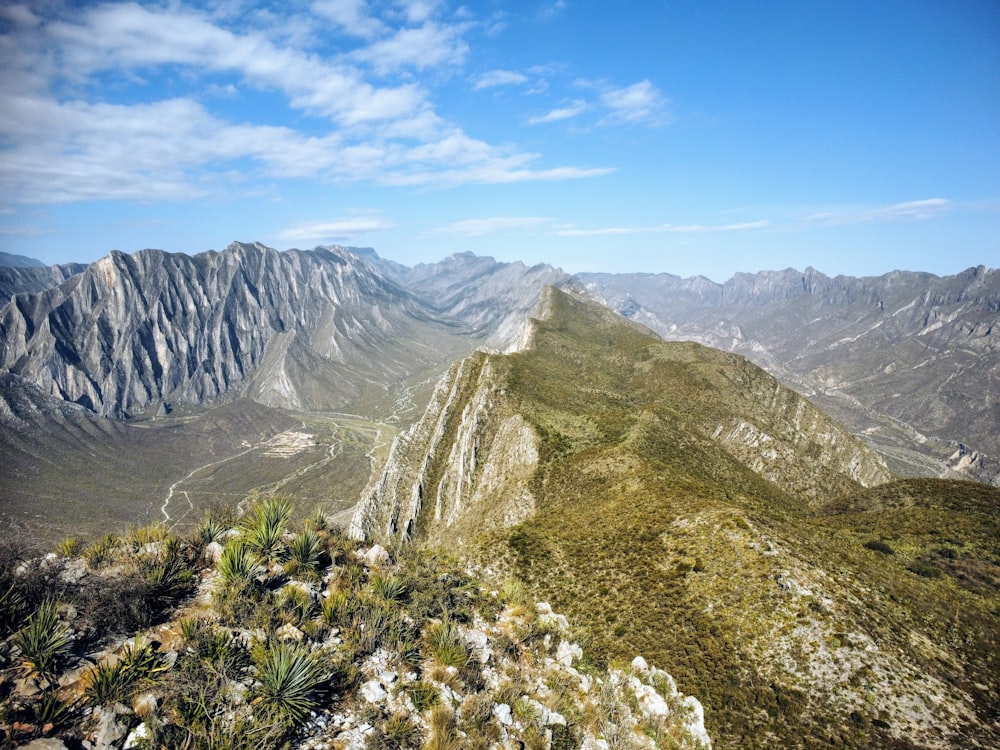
389,588
100,551
69,547
211,530
304,553
423,694
398,732
925,570
292,679
877,545
42,643
445,645
239,563
264,529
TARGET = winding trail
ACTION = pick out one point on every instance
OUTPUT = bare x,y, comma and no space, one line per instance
173,487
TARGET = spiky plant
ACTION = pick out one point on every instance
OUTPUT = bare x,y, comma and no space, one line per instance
140,536
210,530
319,521
69,547
304,553
113,682
389,588
264,529
100,551
292,679
239,563
338,607
445,645
42,643
168,577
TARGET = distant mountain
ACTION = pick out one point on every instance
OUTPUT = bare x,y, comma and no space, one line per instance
33,279
300,329
678,501
19,261
910,360
493,299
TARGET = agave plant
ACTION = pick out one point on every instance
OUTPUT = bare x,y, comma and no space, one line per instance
111,682
210,530
42,643
265,527
239,563
304,551
387,587
292,679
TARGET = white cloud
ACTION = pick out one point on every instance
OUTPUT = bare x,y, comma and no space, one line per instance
350,15
640,103
491,225
69,136
329,231
551,9
423,47
494,78
920,210
663,228
578,107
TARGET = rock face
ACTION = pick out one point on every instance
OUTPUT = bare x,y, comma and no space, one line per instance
469,450
911,360
470,462
25,279
294,329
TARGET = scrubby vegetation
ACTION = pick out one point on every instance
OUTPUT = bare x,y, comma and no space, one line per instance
255,636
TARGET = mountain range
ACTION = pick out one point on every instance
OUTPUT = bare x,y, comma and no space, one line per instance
751,482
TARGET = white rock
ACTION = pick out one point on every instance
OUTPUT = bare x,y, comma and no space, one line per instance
503,713
213,551
567,652
372,692
136,736
639,664
376,555
592,743
695,723
289,632
651,703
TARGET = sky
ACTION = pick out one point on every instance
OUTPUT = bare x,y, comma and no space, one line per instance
638,135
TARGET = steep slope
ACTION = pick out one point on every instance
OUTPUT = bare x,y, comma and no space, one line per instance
910,360
301,330
668,496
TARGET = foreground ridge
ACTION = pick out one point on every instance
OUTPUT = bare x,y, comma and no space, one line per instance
246,635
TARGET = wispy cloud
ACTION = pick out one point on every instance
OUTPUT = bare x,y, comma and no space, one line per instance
578,107
333,231
920,210
492,225
663,228
640,103
63,144
551,9
494,78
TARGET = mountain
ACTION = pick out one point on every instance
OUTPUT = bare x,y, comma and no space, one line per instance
493,299
679,502
19,261
140,332
32,279
909,360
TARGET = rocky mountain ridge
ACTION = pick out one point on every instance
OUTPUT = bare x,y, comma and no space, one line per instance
910,360
678,500
295,329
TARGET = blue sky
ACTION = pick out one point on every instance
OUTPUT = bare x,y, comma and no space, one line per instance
686,137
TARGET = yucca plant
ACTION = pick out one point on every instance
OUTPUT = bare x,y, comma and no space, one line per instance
167,578
338,608
389,588
114,682
42,643
445,645
69,547
239,563
265,527
304,552
100,551
140,536
210,530
319,521
293,680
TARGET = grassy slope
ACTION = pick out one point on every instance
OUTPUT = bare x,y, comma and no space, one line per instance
666,546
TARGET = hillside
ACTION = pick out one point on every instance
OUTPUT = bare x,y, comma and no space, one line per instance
247,635
909,360
678,502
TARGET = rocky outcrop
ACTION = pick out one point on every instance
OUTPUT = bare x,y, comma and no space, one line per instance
469,455
294,329
33,279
